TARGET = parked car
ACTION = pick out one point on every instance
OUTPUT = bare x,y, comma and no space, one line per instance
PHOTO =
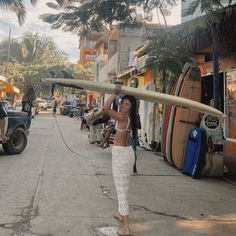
49,103
42,104
66,108
75,111
18,107
17,132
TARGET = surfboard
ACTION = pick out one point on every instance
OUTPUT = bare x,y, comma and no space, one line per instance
172,113
166,120
138,93
145,108
185,119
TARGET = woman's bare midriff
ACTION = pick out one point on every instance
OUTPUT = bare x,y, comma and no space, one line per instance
122,138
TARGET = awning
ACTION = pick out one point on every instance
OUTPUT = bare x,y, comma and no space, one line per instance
8,88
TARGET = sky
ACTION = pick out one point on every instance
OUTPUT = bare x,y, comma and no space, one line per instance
65,41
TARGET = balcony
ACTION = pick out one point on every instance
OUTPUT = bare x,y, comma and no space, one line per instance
102,58
108,69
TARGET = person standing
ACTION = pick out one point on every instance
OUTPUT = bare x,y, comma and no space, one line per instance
54,110
27,107
122,153
3,117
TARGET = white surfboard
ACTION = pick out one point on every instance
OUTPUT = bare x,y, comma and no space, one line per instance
138,93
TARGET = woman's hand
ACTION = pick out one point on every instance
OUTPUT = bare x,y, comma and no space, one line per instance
117,89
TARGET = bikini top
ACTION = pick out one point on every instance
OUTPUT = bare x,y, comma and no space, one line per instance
126,129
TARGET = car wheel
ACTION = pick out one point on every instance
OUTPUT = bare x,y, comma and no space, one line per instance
17,142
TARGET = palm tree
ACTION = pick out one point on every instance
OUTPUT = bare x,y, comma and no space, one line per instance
16,6
32,49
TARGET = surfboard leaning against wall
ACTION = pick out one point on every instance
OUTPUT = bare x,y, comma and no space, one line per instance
185,119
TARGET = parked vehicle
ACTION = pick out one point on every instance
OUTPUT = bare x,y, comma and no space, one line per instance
49,103
18,107
42,104
17,132
66,108
75,111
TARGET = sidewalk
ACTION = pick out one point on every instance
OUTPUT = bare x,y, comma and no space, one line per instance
165,202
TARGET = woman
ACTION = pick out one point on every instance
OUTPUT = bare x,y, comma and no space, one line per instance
122,153
54,111
27,107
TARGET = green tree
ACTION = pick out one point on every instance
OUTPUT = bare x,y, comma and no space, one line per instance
90,15
16,6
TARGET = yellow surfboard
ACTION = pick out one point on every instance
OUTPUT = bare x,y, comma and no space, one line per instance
138,93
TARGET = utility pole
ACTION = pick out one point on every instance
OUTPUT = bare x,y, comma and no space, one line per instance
9,46
8,54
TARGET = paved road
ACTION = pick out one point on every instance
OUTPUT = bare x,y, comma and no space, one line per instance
62,185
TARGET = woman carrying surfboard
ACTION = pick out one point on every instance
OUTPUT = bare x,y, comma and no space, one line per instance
122,153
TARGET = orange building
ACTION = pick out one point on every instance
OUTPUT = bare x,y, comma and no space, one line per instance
87,48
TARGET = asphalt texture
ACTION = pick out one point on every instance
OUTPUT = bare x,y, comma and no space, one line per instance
62,185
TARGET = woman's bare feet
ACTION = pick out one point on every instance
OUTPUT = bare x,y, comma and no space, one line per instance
117,216
106,146
123,232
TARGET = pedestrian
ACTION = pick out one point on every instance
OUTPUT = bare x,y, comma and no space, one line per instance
3,117
122,153
27,107
54,110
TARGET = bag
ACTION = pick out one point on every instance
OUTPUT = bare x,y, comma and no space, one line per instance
98,117
214,165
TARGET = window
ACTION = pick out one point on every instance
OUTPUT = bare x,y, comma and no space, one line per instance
231,104
90,56
89,44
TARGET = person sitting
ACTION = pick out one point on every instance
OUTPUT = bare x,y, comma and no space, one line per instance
108,130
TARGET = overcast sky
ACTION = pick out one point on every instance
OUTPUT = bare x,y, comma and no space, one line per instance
66,42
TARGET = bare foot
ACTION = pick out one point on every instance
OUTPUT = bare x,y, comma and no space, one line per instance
106,146
123,232
117,216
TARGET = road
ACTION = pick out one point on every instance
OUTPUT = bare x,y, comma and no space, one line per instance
62,185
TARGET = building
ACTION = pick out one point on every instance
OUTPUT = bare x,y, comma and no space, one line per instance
218,71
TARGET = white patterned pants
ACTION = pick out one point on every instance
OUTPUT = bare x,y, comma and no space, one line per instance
122,164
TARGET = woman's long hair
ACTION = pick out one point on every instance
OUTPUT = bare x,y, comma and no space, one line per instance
133,112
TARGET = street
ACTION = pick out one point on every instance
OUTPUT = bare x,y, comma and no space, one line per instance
62,185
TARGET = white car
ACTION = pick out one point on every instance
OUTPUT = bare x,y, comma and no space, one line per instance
18,107
42,104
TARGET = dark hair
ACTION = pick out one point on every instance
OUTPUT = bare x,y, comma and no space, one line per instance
133,112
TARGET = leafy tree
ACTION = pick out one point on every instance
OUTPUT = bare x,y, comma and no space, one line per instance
90,15
16,6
